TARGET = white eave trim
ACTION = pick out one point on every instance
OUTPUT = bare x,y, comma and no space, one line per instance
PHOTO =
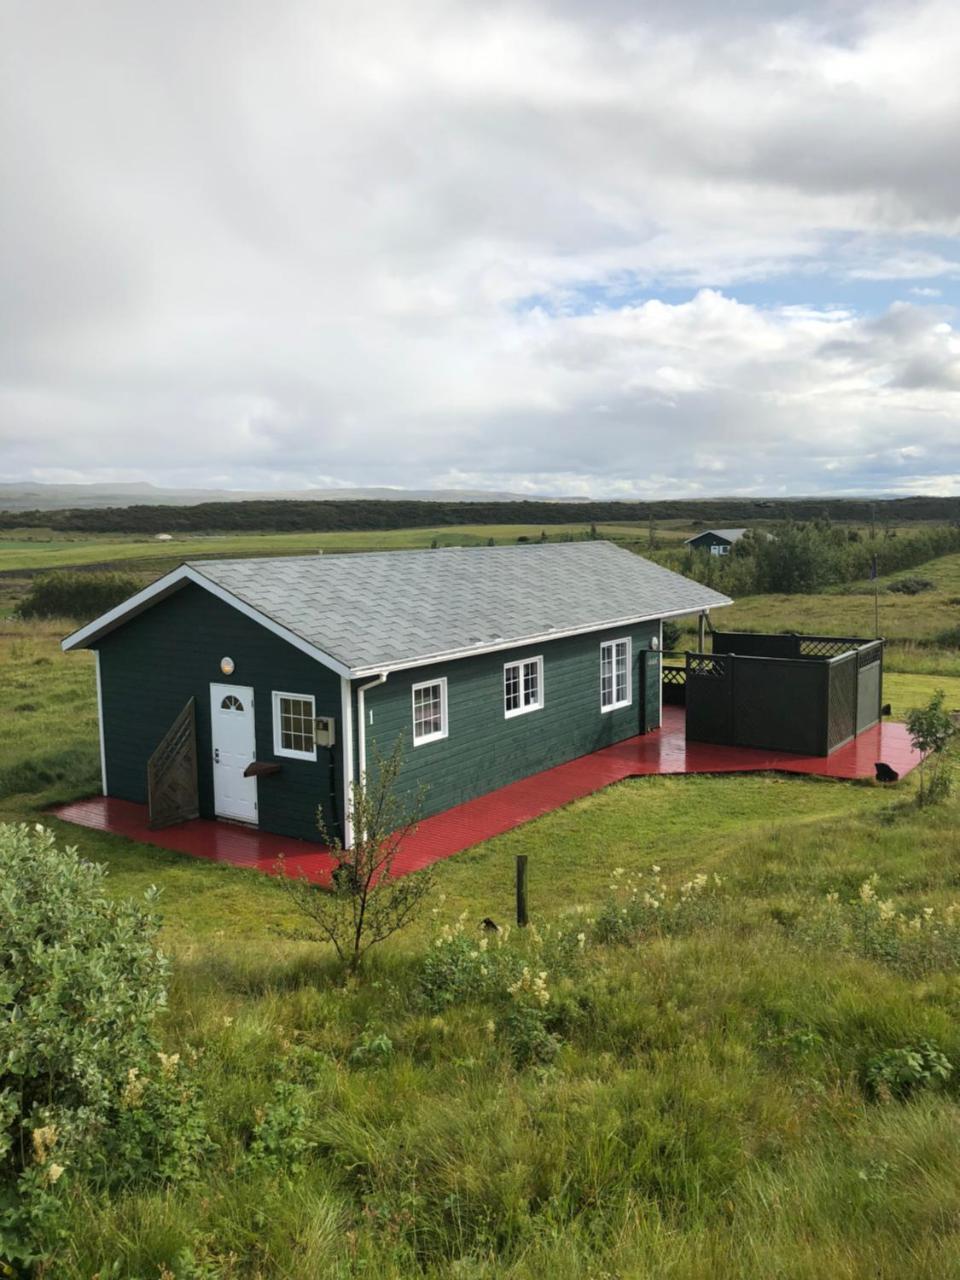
452,655
172,582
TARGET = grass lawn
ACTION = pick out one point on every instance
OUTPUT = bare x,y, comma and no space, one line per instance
850,611
39,553
707,1112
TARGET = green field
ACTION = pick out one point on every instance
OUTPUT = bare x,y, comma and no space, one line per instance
707,1113
38,550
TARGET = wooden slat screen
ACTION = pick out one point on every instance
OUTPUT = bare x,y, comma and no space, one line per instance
172,791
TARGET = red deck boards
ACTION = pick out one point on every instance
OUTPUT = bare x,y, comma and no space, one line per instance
664,752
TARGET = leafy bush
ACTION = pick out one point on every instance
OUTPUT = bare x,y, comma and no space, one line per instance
83,1085
898,1073
931,731
911,586
509,974
915,942
808,556
81,596
672,631
281,1139
373,1049
640,906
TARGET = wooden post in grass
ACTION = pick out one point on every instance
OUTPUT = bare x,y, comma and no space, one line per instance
521,890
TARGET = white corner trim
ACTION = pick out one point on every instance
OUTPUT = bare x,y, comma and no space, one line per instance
346,747
100,725
172,582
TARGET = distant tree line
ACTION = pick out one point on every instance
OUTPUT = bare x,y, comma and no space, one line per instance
281,516
808,556
77,595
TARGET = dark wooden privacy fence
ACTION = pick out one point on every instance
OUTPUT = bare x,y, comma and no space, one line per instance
172,791
674,681
808,694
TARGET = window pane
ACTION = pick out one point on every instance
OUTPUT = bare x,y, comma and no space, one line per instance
427,711
531,684
621,671
511,687
296,725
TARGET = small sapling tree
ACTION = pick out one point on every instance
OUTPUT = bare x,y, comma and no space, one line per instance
931,730
366,903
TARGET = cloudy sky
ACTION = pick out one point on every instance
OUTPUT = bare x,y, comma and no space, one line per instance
658,248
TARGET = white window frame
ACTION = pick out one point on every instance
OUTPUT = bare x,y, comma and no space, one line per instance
444,729
628,700
278,748
534,706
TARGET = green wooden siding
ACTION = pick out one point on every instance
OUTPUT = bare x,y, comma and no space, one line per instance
483,749
151,665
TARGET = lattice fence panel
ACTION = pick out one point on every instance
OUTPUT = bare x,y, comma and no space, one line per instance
706,666
824,648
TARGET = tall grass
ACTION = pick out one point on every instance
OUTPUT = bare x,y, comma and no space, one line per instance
705,1112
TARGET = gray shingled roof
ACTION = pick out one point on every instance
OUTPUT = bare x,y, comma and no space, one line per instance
731,535
402,607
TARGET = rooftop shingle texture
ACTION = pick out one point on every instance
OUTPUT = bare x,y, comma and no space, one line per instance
399,607
731,535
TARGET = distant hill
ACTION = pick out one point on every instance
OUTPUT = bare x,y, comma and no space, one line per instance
291,514
35,496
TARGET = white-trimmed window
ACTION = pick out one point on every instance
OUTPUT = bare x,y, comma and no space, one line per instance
522,687
294,733
615,683
429,711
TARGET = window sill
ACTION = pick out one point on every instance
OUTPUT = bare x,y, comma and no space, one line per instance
433,737
522,711
616,706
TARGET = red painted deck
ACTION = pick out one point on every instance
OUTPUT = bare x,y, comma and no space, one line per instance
664,752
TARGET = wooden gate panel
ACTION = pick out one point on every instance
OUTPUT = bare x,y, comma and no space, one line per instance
172,788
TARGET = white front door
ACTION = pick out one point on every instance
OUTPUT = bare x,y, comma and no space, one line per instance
234,747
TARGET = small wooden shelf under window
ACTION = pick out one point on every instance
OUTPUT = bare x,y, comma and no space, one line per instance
261,768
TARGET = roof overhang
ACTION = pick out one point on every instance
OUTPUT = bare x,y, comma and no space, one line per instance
516,642
175,581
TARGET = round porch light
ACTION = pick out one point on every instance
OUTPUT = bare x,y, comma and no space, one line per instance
227,666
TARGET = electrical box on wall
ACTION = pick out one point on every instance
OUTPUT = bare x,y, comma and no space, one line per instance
325,729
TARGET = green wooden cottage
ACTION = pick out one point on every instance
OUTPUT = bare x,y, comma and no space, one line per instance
265,682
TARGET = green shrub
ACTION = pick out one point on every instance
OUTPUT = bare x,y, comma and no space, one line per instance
899,1073
672,631
916,942
81,596
281,1140
911,586
84,1088
641,906
373,1049
931,731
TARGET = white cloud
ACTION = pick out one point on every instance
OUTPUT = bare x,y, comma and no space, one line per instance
277,244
